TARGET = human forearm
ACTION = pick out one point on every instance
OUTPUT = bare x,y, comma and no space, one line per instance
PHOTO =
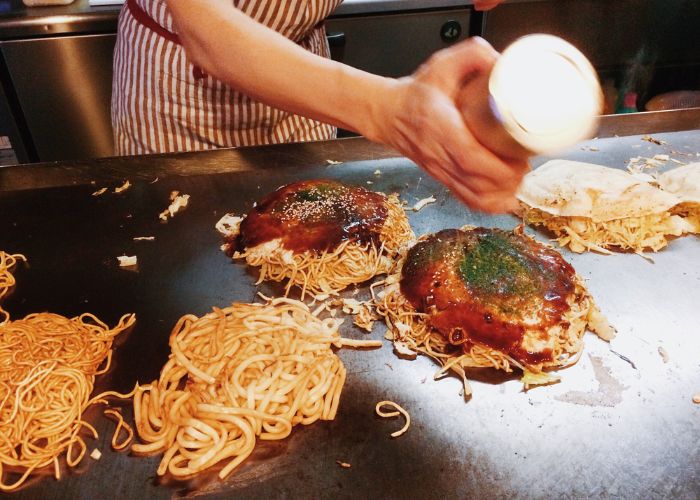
263,64
415,115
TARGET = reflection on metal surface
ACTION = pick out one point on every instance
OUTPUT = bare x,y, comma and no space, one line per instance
649,122
609,392
393,44
64,88
636,440
87,98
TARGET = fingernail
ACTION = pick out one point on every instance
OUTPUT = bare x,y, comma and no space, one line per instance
482,42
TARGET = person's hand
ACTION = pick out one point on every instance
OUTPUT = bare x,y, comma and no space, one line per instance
422,122
486,4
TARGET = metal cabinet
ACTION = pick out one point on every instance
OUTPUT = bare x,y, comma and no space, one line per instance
62,85
395,44
62,89
58,87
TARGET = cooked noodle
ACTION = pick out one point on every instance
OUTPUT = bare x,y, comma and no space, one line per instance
237,374
632,233
332,270
389,414
48,365
410,331
7,280
121,425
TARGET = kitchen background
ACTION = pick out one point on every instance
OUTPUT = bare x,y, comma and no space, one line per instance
56,62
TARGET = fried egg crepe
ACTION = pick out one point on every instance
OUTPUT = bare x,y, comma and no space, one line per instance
592,207
684,182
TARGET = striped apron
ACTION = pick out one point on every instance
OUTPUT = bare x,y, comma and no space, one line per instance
162,103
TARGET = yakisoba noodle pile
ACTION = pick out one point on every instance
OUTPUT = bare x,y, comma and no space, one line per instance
321,236
591,207
48,365
7,280
413,331
238,374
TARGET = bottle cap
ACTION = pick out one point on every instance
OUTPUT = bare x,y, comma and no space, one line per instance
545,93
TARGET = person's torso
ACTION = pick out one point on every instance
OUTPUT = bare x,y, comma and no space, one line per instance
161,102
294,19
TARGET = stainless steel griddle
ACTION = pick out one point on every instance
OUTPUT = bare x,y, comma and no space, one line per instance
611,428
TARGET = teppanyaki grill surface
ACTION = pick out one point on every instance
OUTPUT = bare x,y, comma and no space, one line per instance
608,429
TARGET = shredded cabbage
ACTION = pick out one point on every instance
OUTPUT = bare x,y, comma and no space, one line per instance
632,233
538,378
690,212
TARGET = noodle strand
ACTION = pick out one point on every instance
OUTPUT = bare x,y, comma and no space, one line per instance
400,411
237,374
330,271
7,280
48,365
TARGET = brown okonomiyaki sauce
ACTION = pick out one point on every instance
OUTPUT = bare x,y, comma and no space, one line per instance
315,215
480,285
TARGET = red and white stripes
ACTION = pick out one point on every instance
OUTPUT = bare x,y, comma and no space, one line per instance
159,106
